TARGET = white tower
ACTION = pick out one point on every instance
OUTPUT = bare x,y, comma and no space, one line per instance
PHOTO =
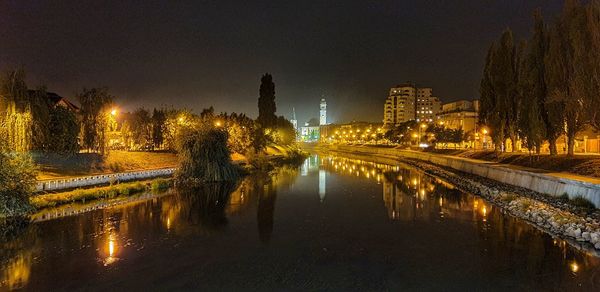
323,113
294,120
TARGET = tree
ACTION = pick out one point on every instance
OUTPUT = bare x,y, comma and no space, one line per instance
241,132
266,102
65,131
504,79
593,24
94,113
534,125
39,107
490,108
158,127
204,155
284,133
141,128
15,111
402,133
569,69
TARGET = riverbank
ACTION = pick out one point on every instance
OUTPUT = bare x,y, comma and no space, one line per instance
580,164
107,192
579,225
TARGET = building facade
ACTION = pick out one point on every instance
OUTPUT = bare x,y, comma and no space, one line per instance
400,105
428,106
408,102
462,114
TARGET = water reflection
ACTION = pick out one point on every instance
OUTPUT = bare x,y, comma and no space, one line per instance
380,224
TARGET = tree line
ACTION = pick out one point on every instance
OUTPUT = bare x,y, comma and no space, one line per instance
30,122
539,89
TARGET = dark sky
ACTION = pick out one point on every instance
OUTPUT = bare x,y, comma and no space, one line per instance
200,53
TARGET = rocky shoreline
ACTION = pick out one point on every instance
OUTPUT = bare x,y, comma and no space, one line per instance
580,227
547,213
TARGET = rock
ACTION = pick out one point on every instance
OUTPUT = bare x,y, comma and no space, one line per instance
577,233
597,245
594,237
586,236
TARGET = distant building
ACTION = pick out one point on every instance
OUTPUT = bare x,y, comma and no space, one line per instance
323,112
462,114
55,100
428,106
294,121
400,105
408,102
310,132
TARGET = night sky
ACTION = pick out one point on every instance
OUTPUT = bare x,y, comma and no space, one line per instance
199,53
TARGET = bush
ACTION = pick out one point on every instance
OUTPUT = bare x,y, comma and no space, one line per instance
583,202
160,184
17,183
564,198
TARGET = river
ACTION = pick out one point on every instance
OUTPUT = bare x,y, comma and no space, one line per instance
333,223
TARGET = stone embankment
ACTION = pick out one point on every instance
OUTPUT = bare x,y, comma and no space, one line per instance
580,226
546,213
553,184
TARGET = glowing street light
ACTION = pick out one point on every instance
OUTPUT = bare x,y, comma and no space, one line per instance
113,112
218,123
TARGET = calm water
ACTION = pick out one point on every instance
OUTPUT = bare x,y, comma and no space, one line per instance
332,224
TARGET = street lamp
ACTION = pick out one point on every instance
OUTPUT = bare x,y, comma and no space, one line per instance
113,112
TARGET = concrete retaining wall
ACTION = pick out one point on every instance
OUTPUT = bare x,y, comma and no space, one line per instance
539,182
85,181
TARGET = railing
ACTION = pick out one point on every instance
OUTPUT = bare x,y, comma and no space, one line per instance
84,181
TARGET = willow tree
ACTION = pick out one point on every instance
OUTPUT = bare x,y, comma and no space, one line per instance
203,154
15,111
94,113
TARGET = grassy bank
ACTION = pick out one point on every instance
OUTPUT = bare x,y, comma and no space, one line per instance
83,195
55,166
586,165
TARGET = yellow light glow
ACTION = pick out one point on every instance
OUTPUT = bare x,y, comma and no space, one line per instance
113,112
218,123
111,248
484,131
574,267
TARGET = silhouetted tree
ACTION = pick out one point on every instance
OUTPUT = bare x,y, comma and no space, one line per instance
94,113
64,129
158,127
533,121
266,102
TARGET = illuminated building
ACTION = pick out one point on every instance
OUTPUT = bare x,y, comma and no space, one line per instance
408,102
323,112
462,114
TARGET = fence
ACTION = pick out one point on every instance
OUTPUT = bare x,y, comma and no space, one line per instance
84,181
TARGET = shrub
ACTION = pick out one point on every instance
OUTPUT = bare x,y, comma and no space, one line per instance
564,198
160,184
17,183
583,202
